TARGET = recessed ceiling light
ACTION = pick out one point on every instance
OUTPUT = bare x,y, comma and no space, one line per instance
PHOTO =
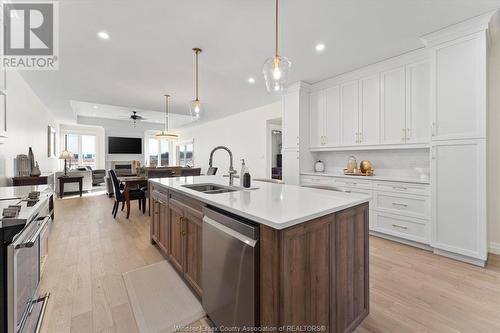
251,80
95,106
320,47
103,35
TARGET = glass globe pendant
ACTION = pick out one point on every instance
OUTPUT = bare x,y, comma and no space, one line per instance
195,106
277,68
165,134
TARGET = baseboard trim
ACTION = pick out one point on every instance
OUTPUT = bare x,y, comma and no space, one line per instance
456,256
494,248
401,240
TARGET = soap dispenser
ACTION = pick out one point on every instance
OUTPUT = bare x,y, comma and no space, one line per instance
243,166
246,178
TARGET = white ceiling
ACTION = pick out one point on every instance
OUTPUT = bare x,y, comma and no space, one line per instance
149,52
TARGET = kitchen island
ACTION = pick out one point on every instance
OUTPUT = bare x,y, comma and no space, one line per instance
312,250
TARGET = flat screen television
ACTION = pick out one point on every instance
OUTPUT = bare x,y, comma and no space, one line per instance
119,145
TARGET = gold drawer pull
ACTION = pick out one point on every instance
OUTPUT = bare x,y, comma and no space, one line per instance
399,226
400,204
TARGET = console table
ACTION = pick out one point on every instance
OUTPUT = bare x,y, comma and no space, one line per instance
28,180
69,179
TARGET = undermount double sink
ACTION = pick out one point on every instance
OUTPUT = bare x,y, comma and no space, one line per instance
211,188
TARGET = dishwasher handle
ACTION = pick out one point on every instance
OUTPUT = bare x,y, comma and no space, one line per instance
231,232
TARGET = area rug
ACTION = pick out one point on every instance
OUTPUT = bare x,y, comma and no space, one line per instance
160,300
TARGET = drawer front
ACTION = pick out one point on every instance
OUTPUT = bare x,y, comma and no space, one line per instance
316,180
409,188
400,226
408,205
350,182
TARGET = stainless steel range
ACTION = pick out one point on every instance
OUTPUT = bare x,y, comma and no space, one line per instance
24,223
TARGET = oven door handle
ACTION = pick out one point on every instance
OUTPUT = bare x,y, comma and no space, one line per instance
31,241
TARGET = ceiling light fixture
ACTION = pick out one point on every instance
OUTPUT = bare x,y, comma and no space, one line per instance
320,47
103,35
165,134
276,68
251,80
95,107
195,105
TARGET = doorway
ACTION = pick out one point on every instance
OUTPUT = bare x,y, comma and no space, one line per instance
274,148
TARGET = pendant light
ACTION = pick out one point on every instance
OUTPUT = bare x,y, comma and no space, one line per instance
276,68
195,105
165,134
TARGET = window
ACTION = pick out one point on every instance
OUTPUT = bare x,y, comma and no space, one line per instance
83,148
158,153
185,154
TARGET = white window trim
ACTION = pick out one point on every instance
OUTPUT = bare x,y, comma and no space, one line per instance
80,153
183,143
146,155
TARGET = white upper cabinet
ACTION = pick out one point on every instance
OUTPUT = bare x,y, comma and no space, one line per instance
383,104
332,117
317,118
393,104
369,110
349,105
418,92
459,103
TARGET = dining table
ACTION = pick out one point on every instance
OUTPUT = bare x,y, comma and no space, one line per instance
131,183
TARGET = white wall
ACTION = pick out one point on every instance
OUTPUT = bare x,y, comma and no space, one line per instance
27,122
122,128
243,133
493,134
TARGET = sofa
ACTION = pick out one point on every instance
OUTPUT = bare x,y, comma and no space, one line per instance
73,187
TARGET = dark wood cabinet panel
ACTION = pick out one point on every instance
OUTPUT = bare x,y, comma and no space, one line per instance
193,242
350,260
176,254
305,266
316,273
164,226
155,221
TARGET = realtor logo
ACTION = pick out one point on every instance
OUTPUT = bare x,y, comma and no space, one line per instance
30,35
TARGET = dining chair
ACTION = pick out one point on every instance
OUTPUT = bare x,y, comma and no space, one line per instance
135,194
190,172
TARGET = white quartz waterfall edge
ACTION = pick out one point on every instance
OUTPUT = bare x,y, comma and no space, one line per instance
160,300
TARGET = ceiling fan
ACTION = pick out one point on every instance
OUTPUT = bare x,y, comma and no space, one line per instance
135,117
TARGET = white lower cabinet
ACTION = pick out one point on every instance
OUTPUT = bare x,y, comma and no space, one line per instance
398,209
413,229
459,197
291,167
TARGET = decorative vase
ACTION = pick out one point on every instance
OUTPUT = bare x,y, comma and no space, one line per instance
32,160
319,166
36,171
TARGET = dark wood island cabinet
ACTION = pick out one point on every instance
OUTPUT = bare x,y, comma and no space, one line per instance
314,273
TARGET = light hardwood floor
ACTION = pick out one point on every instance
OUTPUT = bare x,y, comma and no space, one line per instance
412,290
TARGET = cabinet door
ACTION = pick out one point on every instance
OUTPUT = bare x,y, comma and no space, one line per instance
460,89
349,100
193,243
459,208
369,110
304,264
418,102
291,167
155,221
176,235
393,105
163,226
332,117
317,119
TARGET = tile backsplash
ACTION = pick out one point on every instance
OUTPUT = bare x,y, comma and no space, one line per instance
411,163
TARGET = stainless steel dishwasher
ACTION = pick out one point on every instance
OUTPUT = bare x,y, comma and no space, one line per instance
230,270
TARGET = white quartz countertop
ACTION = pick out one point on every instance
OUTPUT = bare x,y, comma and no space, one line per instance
276,205
374,177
